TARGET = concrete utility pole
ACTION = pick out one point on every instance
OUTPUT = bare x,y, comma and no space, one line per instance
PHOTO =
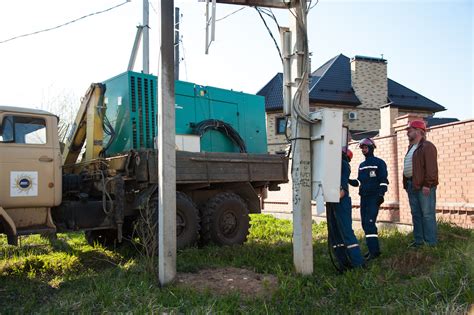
300,130
146,37
166,147
176,43
300,135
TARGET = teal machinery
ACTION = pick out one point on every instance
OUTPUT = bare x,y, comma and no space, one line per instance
225,120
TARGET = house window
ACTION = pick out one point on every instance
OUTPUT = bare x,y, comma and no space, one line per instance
280,125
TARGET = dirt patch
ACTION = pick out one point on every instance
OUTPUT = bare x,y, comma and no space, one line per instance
223,281
411,263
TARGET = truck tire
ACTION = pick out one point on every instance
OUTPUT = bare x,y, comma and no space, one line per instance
225,220
187,219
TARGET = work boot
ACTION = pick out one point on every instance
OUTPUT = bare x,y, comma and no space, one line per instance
369,256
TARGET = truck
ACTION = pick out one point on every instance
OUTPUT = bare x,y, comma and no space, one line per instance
50,186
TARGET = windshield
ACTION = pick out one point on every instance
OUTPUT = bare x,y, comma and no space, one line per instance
24,130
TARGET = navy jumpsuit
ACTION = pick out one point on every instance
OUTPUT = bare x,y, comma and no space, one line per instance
373,184
341,235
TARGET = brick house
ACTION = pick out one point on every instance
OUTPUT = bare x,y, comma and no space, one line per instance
360,87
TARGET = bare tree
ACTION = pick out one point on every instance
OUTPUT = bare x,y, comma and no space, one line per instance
64,104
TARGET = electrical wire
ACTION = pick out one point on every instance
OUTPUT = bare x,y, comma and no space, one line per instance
223,128
184,59
270,32
232,13
64,24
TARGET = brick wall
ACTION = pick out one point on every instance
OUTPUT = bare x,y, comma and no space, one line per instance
455,193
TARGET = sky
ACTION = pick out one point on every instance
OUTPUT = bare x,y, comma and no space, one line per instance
428,46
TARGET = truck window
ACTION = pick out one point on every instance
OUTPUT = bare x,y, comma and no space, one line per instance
24,130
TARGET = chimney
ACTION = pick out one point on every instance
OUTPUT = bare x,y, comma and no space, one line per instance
369,81
388,116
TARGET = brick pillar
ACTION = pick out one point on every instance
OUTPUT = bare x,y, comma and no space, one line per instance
402,145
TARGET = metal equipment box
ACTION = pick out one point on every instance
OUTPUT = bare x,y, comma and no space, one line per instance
131,100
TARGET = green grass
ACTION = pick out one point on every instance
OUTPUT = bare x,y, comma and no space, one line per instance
67,275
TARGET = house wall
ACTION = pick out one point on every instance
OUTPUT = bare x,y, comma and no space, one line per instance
275,141
455,193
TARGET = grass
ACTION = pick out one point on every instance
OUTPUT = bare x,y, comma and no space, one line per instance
67,275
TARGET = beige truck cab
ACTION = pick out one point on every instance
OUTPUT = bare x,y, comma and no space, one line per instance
30,171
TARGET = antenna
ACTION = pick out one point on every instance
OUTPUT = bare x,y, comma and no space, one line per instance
210,23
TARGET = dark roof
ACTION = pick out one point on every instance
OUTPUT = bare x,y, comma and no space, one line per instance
434,121
403,97
273,93
331,84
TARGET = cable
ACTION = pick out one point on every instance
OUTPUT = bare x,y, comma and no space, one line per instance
153,7
184,59
64,24
222,127
270,32
224,17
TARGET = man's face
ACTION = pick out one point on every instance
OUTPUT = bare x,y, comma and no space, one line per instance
364,149
411,133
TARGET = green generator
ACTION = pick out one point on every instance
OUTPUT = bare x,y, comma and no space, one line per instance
222,120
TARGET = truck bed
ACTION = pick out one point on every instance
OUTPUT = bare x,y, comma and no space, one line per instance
212,167
194,168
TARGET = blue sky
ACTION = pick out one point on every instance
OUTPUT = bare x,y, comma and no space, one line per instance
428,46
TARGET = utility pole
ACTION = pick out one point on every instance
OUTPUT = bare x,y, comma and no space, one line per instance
300,135
146,37
166,148
300,128
176,43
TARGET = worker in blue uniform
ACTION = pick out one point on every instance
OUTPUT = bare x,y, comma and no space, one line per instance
339,216
373,184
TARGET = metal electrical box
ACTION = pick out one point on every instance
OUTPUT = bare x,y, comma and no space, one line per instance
131,109
326,154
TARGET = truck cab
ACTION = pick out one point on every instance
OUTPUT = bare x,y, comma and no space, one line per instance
30,168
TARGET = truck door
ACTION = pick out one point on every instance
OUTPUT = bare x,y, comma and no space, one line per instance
28,161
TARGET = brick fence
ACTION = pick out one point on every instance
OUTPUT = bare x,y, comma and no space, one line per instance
455,193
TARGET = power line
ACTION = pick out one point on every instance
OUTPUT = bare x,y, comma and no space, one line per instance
224,17
67,23
269,31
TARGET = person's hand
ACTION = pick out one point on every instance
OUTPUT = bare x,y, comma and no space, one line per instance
342,193
380,200
426,191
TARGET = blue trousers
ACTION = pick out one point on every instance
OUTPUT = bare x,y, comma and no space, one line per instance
369,210
341,235
423,213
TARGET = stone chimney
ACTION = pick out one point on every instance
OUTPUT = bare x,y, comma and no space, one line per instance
369,81
388,116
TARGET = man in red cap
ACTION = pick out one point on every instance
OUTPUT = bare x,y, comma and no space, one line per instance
420,178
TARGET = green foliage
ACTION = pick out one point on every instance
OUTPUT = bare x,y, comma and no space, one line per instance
66,275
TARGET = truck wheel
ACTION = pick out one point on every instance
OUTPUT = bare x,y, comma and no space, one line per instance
187,220
106,237
225,220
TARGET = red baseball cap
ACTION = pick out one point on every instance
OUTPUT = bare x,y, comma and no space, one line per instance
417,124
